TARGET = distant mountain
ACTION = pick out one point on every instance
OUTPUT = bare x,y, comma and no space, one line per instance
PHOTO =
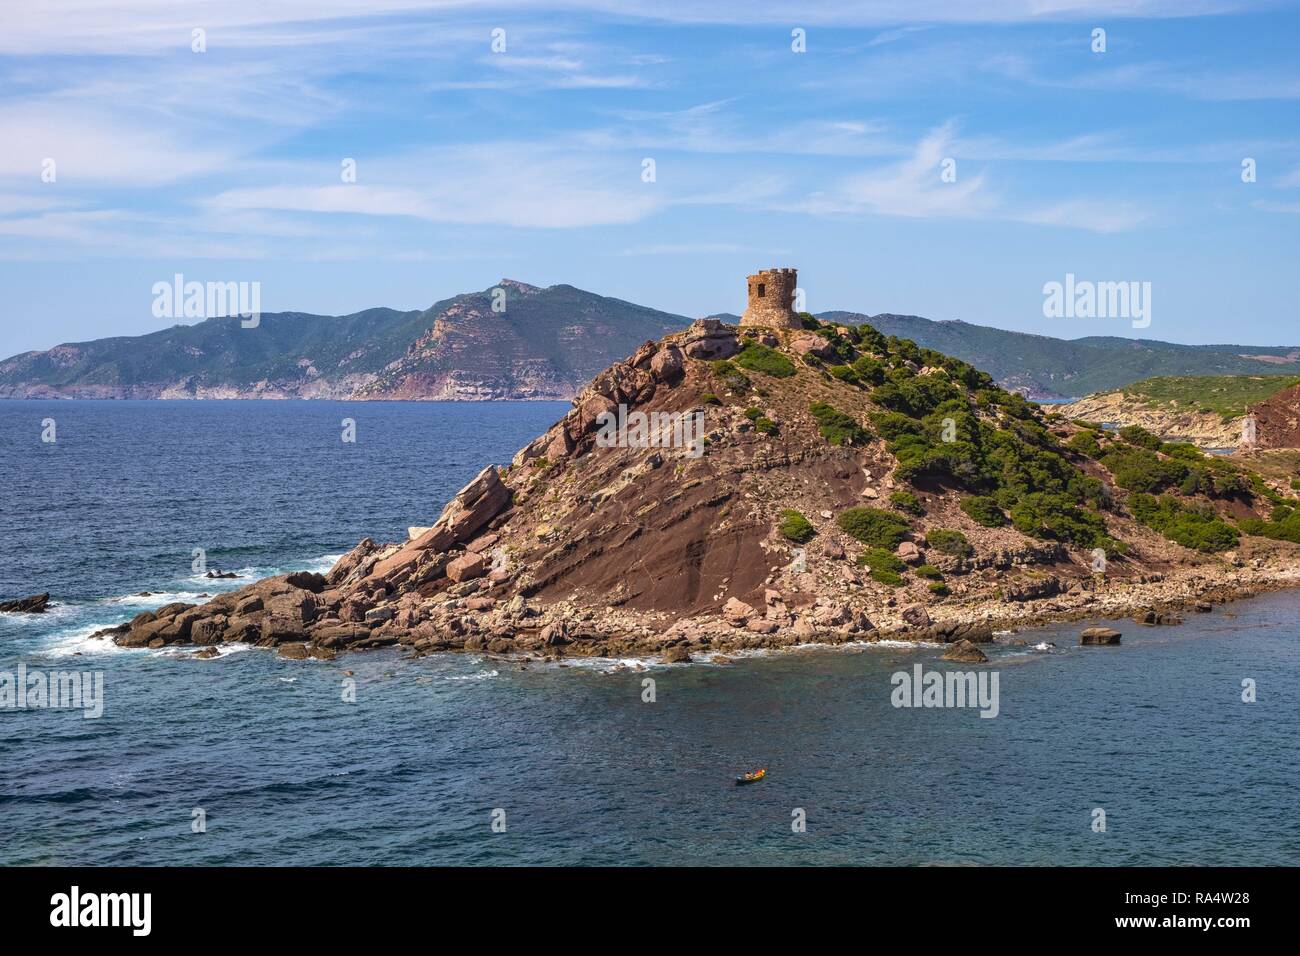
544,344
547,343
1048,368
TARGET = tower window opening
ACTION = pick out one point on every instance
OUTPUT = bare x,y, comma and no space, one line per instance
760,290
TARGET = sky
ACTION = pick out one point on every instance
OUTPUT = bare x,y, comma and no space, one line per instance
943,158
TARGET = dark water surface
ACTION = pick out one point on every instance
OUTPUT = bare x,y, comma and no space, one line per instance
1154,732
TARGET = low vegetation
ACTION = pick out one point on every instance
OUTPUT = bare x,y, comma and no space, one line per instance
1227,395
759,358
837,427
795,527
874,527
1193,526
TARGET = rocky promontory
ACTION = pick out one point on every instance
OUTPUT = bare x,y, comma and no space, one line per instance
729,488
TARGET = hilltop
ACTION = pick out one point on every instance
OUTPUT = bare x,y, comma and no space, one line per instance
841,485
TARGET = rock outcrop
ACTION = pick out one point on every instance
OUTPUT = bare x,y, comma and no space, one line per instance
34,604
654,518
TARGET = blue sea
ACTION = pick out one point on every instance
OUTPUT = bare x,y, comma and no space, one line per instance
571,763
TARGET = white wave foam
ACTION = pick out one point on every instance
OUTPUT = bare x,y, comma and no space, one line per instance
481,675
153,598
79,641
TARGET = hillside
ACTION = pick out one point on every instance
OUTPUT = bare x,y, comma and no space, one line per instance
547,343
1206,410
725,489
1050,368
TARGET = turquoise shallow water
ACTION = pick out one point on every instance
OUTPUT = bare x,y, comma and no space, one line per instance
1153,732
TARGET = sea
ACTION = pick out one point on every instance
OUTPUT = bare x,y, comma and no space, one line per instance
1179,746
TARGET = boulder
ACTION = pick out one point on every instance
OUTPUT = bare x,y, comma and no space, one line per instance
467,567
345,565
210,630
831,615
378,615
1099,636
916,616
812,345
709,339
295,651
909,553
249,605
677,655
668,364
555,635
965,652
736,611
306,581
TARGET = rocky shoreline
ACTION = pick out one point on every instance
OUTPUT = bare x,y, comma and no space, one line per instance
557,632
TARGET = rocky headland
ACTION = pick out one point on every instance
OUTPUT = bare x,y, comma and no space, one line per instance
822,484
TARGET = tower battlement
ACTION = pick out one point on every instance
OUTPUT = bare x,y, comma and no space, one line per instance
771,299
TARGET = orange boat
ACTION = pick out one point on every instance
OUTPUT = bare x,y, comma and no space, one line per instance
752,777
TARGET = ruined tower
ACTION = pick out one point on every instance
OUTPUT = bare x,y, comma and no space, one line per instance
771,299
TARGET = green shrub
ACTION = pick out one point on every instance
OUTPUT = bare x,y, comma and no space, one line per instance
837,427
907,502
880,559
1200,528
939,589
949,542
1085,443
760,358
1140,469
765,425
929,571
885,566
753,414
844,373
1055,517
732,377
983,510
874,527
1283,525
795,526
1137,435
869,370
708,398
1295,484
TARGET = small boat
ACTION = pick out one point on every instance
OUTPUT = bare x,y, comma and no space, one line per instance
751,777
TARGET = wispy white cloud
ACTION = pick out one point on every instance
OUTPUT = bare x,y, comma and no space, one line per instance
507,183
916,189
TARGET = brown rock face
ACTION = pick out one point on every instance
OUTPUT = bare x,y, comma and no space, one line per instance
1277,420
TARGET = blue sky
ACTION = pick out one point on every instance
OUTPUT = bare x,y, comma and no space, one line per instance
474,165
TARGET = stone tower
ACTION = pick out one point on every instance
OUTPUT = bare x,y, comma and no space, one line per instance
771,299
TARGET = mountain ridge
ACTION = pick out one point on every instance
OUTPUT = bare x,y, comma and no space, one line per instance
519,341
